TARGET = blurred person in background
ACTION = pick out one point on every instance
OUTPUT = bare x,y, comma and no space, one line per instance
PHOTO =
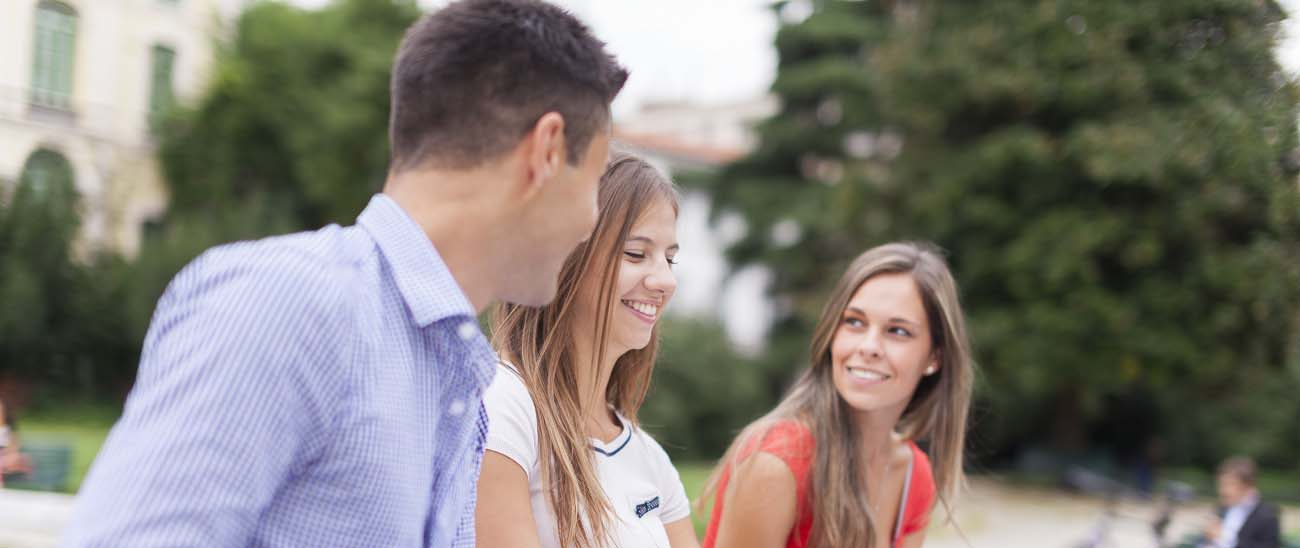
567,464
325,388
836,464
1242,519
12,461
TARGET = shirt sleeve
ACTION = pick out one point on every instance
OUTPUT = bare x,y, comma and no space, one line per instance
675,504
233,393
512,420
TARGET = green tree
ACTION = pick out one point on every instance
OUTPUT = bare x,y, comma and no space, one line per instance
1114,181
36,232
703,392
62,328
293,129
38,277
291,134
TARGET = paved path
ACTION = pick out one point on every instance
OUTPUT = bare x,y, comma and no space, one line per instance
991,515
30,519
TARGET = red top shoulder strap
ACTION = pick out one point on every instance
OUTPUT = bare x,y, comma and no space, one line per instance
921,494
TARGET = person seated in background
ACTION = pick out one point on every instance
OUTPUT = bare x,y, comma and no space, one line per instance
11,460
1242,520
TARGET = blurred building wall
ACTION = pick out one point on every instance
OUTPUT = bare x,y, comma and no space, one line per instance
97,115
684,137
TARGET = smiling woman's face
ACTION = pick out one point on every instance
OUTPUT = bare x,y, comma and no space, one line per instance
881,348
645,282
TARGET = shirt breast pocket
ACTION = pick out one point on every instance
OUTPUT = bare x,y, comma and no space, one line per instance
642,508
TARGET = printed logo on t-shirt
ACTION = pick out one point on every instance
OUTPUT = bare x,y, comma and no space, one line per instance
645,507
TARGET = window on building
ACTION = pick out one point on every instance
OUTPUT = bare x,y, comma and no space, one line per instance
54,54
161,95
47,174
46,203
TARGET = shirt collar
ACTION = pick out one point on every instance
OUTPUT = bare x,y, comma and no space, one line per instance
427,286
1248,504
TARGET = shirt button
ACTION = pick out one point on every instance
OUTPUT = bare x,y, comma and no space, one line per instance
457,408
467,330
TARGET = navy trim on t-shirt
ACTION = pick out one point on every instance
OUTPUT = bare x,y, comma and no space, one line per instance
627,429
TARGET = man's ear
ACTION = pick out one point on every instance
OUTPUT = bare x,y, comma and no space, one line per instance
545,151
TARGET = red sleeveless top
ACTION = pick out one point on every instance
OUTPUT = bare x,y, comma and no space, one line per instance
793,443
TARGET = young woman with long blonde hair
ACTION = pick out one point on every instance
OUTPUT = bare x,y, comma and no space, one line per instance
836,465
566,463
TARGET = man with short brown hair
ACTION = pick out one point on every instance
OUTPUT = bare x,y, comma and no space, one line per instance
325,388
1244,521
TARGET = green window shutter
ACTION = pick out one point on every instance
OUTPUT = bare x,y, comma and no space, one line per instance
42,70
53,55
161,94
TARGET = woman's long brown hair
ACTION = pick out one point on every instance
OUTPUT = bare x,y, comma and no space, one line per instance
842,516
540,343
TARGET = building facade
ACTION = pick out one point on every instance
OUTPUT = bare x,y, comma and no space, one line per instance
81,82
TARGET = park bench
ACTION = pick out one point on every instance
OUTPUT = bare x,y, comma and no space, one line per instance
51,466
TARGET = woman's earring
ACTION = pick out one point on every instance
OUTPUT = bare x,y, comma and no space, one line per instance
929,371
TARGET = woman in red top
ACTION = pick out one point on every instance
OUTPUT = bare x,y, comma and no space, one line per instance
835,464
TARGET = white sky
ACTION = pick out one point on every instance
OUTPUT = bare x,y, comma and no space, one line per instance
705,51
1288,52
702,50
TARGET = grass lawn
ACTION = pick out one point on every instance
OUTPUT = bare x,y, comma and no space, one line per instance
83,428
693,476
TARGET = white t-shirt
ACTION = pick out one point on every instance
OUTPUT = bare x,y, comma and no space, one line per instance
638,478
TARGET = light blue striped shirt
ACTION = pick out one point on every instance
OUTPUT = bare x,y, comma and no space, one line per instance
316,389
